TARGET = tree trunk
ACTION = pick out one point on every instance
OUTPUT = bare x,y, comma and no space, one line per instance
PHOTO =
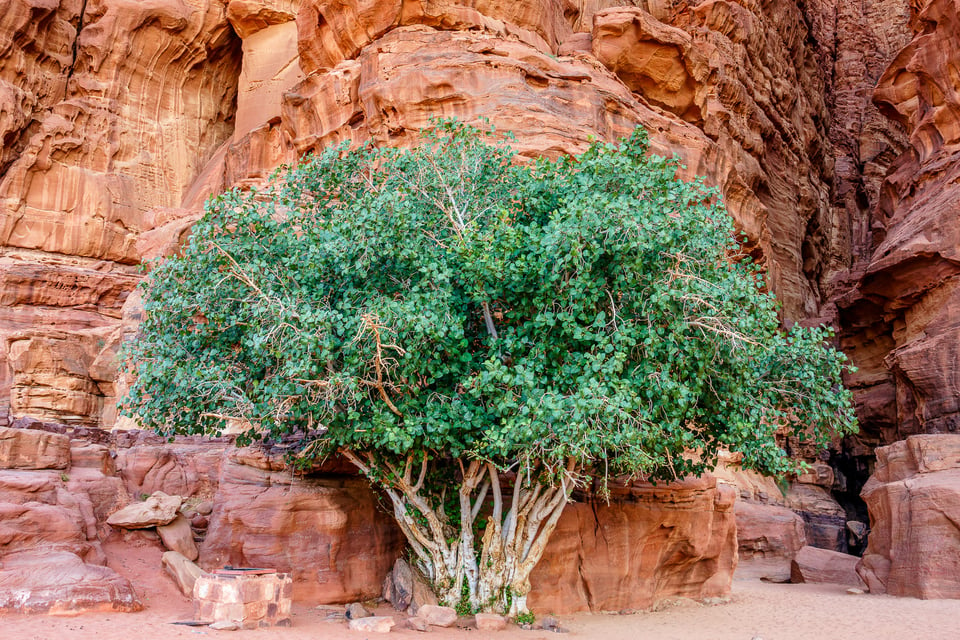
512,543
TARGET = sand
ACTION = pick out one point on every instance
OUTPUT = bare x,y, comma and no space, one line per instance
754,610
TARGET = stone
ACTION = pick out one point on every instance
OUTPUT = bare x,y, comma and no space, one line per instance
825,520
223,626
650,543
416,623
824,566
356,610
913,497
33,449
182,570
768,538
59,582
372,624
406,589
158,509
490,622
549,623
437,615
177,535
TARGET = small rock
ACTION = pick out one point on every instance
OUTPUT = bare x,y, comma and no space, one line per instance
490,622
224,625
438,616
199,522
550,623
356,611
373,624
855,592
205,508
417,624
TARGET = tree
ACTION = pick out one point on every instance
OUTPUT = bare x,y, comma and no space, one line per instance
479,336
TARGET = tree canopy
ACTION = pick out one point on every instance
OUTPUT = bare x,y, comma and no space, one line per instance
447,316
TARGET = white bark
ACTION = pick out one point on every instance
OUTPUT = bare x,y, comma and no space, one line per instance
511,545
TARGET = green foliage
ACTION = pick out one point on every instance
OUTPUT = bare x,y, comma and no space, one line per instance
451,301
525,618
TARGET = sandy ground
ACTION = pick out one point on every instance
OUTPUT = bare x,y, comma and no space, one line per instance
754,610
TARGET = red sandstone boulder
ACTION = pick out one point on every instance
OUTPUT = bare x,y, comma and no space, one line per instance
177,535
811,564
914,501
183,572
158,509
59,582
768,538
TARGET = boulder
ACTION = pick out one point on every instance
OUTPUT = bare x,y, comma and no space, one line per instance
824,566
177,535
158,509
825,521
437,616
913,498
373,624
183,571
768,538
33,449
356,610
59,582
416,623
490,622
406,589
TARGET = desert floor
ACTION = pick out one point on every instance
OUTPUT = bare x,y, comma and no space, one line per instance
754,610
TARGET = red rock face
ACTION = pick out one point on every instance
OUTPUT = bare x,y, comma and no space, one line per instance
901,320
107,108
914,501
329,533
130,116
648,544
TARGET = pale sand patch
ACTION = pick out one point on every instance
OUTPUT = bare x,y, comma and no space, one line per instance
756,609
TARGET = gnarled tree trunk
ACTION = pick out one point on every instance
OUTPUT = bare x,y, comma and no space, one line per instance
492,573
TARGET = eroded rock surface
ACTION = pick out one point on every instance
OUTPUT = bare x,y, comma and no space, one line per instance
648,544
914,500
129,115
327,532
